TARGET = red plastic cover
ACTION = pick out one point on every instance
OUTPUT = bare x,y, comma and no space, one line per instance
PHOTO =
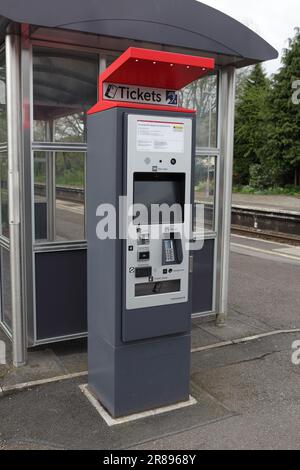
153,69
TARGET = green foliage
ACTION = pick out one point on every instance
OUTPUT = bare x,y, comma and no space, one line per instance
267,136
202,96
260,179
283,147
250,123
70,169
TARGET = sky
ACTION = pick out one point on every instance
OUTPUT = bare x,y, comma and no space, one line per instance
274,20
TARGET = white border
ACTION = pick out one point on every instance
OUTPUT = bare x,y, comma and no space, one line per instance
135,417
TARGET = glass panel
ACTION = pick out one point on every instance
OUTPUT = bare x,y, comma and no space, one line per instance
5,286
205,178
59,196
70,196
64,88
110,59
202,95
41,196
3,115
4,226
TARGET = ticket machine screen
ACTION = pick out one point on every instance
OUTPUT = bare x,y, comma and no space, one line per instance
158,189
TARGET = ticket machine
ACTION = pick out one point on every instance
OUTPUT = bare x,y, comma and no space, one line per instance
139,193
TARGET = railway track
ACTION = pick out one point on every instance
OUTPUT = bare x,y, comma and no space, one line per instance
266,235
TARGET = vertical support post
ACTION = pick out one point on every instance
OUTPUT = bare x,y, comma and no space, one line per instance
50,184
14,120
27,193
226,137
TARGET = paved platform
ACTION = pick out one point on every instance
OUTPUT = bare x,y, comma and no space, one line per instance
74,423
259,384
248,398
248,393
281,203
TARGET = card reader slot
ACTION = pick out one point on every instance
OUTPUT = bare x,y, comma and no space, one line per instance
143,272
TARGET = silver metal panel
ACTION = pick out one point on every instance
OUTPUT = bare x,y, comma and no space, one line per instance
59,339
14,113
143,162
26,199
227,107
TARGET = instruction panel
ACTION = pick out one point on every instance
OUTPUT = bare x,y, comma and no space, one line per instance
158,136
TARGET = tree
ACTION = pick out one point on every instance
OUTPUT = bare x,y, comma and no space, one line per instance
282,150
202,95
252,93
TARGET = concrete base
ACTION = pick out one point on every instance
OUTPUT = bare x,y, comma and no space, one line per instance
110,421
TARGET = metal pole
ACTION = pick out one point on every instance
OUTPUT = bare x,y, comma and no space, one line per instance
209,122
227,108
14,114
50,184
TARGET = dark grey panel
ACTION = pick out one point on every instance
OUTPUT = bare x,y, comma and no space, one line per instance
140,376
5,288
40,219
104,186
154,322
61,296
203,278
181,23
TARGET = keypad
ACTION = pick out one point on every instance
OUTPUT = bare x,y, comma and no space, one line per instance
170,256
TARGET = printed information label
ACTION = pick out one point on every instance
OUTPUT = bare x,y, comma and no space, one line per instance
156,136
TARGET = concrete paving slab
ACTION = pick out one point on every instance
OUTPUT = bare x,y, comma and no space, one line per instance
201,338
260,431
243,353
255,321
260,383
248,394
234,329
42,363
72,355
60,416
256,380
